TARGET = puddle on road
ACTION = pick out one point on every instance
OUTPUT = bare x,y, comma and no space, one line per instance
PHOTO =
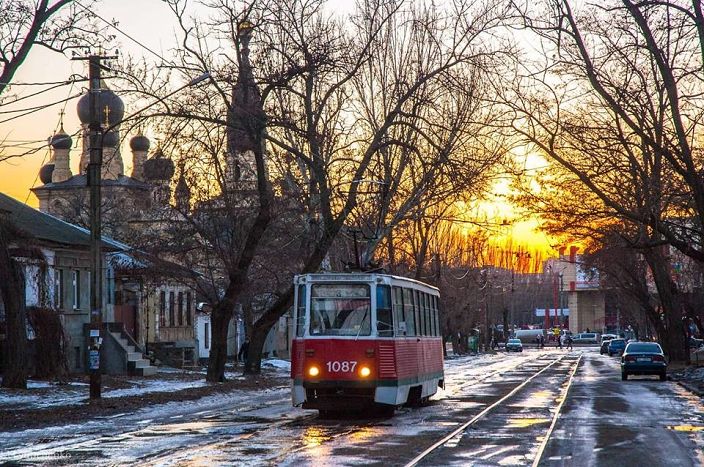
686,428
314,436
537,399
526,422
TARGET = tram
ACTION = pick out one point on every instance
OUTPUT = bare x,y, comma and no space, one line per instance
364,341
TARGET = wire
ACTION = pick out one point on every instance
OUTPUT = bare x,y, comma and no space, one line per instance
36,109
45,83
122,32
56,85
63,109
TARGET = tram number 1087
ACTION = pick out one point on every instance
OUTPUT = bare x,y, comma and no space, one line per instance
341,366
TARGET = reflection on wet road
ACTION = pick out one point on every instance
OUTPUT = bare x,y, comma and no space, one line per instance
641,421
603,421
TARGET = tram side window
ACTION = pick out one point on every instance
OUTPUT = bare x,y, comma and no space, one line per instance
433,315
426,315
384,319
437,315
301,311
408,309
399,315
418,313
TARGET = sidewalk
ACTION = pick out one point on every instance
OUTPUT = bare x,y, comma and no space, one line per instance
46,404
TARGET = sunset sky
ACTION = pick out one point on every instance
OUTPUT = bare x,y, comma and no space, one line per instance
153,27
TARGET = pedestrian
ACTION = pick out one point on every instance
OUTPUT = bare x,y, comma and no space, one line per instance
541,341
244,351
559,342
569,342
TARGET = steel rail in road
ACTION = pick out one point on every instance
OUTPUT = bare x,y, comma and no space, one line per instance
541,449
480,415
481,379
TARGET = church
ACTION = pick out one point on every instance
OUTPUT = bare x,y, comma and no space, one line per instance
127,200
147,299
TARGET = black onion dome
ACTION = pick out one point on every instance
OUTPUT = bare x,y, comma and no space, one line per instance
106,98
46,172
61,140
140,143
111,139
158,167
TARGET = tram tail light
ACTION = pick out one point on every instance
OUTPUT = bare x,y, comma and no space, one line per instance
310,352
365,371
313,371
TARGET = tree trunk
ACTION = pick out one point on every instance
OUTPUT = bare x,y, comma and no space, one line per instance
12,292
670,300
220,317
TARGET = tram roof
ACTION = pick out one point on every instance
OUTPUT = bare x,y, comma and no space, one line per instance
359,277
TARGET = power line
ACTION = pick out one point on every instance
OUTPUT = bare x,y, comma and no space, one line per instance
37,109
43,83
122,32
57,85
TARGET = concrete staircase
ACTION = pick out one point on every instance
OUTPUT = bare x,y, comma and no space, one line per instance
136,363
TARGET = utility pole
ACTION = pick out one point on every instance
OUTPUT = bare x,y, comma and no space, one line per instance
96,261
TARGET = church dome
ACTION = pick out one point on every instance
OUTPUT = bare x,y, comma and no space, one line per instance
111,139
139,143
61,140
46,172
158,167
106,98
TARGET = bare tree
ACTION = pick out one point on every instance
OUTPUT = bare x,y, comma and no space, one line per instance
627,140
12,294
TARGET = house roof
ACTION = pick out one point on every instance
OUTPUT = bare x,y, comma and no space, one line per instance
48,228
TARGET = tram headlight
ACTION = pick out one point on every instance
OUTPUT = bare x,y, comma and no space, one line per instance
365,371
313,371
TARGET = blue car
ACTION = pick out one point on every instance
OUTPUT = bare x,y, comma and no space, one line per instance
616,346
643,358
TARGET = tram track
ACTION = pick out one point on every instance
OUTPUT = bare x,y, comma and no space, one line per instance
452,440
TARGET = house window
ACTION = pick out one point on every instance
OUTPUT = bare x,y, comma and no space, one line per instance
76,284
162,308
180,308
189,320
58,288
206,338
172,318
110,287
77,350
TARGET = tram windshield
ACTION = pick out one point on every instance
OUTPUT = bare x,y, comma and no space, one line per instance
340,310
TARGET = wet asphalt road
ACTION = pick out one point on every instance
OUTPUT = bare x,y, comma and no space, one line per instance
603,421
639,422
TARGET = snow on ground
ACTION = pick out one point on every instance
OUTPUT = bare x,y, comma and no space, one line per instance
42,394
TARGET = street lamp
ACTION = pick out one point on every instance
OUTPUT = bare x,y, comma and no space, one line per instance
97,132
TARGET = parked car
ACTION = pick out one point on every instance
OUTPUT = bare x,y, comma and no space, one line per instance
695,343
643,358
514,345
608,337
615,346
586,338
604,348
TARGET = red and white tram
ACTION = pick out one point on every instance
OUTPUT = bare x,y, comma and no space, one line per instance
364,340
